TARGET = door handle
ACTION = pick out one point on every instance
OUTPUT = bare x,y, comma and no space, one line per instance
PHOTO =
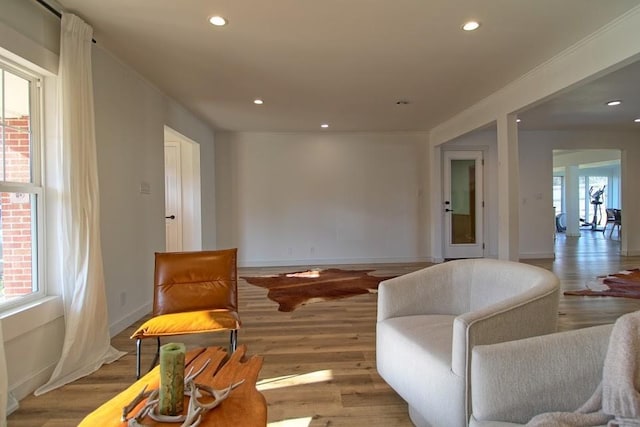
448,210
170,217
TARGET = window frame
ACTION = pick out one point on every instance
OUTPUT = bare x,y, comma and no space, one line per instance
35,186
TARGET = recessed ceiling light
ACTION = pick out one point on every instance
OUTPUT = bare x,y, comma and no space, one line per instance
471,25
637,120
614,103
258,101
324,125
218,21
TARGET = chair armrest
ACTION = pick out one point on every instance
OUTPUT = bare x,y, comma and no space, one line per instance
529,314
426,291
514,381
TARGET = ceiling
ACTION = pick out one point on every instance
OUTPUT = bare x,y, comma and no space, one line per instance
348,63
585,107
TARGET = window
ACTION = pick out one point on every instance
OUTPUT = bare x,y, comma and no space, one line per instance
597,196
558,191
593,200
20,186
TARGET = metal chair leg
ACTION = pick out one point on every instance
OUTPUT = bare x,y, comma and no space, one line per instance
233,342
138,347
157,356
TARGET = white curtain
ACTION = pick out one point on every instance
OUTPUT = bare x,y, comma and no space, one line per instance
87,343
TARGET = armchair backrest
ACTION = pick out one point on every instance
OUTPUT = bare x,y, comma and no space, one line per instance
561,371
492,281
192,281
506,301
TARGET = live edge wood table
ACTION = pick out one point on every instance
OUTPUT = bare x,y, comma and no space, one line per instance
245,406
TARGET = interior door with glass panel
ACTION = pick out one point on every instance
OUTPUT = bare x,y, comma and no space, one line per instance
463,205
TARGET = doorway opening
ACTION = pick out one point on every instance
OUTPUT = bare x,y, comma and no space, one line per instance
183,222
587,190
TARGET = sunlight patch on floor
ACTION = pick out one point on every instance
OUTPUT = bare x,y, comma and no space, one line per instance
293,422
293,380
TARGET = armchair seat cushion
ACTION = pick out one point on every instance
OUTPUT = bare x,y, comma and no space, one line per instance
191,322
417,362
425,338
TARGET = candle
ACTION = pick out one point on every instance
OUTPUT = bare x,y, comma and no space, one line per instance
171,379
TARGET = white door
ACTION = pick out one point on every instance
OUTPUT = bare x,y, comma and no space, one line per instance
463,204
173,196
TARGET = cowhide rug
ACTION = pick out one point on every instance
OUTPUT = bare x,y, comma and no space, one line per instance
623,284
292,290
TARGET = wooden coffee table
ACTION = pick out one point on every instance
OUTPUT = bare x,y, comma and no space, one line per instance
245,406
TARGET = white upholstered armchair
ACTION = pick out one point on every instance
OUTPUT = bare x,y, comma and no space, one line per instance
429,321
514,381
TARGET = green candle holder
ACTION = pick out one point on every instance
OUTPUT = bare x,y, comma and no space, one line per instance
171,394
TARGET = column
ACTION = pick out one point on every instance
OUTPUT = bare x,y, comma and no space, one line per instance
508,188
572,197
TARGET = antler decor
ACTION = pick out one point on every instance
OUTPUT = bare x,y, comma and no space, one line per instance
195,408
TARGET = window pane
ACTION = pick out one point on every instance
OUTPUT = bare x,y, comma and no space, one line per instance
17,155
583,200
557,193
1,96
16,102
17,244
463,196
597,199
2,148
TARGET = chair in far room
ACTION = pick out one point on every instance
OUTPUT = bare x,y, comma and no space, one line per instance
194,293
617,221
611,219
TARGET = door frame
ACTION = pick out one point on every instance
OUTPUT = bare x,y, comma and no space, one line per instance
190,210
478,249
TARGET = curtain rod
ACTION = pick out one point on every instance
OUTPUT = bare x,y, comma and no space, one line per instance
54,11
50,8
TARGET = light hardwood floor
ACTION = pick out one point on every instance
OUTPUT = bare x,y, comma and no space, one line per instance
319,361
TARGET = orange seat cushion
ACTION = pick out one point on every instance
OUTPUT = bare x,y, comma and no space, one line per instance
192,322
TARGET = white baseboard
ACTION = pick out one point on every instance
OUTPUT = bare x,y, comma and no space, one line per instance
538,255
12,404
128,320
311,262
28,385
630,253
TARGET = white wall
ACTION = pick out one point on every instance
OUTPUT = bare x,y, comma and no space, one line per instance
317,198
130,119
537,216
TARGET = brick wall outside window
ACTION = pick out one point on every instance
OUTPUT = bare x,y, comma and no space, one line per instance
16,211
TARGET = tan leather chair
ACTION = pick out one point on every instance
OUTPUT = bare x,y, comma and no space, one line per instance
194,292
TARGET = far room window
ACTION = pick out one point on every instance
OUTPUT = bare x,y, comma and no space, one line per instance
20,186
594,196
558,191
